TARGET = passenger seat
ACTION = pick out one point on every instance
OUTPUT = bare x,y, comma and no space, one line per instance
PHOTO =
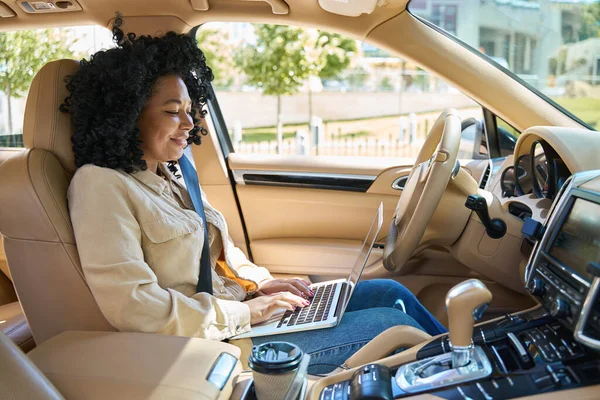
12,319
21,379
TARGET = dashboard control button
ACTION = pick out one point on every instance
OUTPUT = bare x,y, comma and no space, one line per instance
544,381
547,332
548,353
559,308
536,336
537,287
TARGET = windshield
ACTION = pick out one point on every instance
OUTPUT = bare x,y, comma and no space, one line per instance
553,45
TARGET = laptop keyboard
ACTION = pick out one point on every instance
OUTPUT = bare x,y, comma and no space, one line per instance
316,311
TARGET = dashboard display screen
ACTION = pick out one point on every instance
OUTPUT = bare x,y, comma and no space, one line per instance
578,241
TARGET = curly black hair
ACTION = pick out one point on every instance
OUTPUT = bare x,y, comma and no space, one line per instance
108,93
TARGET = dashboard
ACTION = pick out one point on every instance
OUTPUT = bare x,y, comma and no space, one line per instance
548,349
541,172
547,179
554,178
528,181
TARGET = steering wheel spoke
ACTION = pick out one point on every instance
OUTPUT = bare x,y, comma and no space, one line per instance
423,190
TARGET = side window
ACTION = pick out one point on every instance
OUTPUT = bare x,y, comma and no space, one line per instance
23,54
294,91
507,137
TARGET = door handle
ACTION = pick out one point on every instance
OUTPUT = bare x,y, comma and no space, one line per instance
399,183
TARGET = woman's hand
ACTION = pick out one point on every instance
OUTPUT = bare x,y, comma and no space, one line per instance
296,286
263,307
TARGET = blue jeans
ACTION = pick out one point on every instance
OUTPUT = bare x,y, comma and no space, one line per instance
375,305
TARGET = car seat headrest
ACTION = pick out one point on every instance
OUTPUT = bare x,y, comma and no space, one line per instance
45,126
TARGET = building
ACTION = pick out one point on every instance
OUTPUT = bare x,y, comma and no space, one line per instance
522,35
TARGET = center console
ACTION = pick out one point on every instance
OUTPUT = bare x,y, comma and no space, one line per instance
564,269
553,347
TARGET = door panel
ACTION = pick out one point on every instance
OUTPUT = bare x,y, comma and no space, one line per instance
309,230
327,257
300,229
281,212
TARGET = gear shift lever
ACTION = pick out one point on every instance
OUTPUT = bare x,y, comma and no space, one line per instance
465,304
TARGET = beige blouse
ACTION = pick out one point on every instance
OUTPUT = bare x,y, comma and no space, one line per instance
140,242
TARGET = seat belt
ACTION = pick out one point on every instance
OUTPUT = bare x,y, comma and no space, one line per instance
193,186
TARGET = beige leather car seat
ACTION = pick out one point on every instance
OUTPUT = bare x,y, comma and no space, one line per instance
12,319
20,378
34,217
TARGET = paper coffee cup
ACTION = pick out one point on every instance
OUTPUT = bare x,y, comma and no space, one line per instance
274,366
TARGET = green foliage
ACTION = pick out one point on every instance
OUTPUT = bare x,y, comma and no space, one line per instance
219,59
23,53
264,136
386,84
335,54
590,21
276,63
283,57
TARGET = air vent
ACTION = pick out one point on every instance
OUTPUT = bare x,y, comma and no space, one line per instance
484,179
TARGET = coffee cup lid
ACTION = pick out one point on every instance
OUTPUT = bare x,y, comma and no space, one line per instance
275,357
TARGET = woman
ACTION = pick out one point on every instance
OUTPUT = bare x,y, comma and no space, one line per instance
134,110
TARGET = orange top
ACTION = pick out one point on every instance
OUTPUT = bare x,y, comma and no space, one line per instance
223,269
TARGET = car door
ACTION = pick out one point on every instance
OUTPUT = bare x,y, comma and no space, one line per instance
303,203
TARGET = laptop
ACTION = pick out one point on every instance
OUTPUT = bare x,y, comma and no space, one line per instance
331,297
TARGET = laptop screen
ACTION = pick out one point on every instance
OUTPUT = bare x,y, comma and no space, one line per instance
363,255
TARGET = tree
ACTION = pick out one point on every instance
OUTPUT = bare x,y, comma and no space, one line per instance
276,63
336,51
218,58
23,53
590,21
328,55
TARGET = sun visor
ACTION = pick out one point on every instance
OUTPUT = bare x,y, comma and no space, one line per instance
6,11
349,8
354,8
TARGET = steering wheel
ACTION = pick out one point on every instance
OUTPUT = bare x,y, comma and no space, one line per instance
423,191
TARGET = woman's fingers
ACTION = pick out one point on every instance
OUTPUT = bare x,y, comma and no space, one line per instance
296,286
291,299
290,287
300,285
276,305
263,307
